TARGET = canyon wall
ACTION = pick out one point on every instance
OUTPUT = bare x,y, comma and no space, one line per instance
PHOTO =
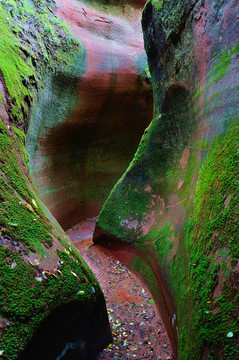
80,108
178,200
49,299
85,128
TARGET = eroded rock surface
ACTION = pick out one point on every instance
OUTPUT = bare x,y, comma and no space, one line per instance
85,130
179,196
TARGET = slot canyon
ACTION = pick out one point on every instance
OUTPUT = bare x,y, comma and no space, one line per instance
119,168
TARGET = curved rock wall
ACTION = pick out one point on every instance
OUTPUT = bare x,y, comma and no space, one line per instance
179,195
85,129
40,270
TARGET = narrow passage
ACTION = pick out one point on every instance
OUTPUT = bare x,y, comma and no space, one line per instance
137,327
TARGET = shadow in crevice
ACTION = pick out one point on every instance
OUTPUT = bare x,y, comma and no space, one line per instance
70,332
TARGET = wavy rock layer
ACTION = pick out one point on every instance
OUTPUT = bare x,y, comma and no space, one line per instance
178,200
84,130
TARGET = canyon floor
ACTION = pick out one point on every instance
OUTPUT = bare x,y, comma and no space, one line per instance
137,327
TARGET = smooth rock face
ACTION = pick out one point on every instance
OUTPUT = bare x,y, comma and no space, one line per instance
174,196
76,160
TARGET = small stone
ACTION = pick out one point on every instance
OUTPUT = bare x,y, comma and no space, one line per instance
13,265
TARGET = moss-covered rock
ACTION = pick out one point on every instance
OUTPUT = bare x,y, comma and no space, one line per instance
40,270
179,195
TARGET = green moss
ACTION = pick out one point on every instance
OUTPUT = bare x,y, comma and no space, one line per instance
154,164
113,7
32,41
2,99
162,244
124,209
145,271
13,67
160,237
211,234
19,212
24,301
223,62
126,200
219,190
213,229
32,300
29,37
235,49
158,4
178,270
198,94
171,14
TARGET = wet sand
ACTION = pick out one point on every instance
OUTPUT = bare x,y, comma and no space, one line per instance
137,327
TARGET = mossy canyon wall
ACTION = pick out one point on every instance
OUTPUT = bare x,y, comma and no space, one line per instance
178,200
43,279
74,102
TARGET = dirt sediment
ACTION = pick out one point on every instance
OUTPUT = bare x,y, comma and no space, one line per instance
137,327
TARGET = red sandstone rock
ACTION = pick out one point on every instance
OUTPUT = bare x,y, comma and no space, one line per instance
97,140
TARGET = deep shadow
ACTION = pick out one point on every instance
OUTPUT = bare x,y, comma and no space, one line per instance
70,332
78,162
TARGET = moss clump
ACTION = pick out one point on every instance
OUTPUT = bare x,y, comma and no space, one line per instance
125,210
126,200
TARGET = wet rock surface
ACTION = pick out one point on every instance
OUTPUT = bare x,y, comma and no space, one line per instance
137,327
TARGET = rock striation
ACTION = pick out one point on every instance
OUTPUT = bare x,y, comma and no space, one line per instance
178,200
